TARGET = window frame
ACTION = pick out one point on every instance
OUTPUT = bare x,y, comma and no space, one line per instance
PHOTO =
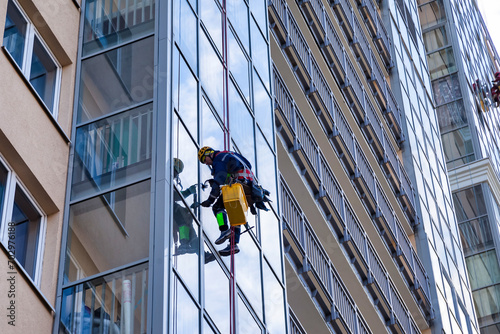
12,183
25,68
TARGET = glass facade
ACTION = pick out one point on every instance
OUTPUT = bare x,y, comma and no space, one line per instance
214,96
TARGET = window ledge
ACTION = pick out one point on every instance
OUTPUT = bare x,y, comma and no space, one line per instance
35,94
20,270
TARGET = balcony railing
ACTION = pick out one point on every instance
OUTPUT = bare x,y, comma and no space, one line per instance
372,127
313,11
333,51
383,42
364,180
343,12
295,325
377,81
278,19
369,11
361,47
393,114
353,90
319,93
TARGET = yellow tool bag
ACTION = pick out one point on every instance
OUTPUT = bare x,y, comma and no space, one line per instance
235,203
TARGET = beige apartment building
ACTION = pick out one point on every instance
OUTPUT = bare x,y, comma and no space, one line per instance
38,68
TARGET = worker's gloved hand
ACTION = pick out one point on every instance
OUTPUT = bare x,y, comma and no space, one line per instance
191,190
206,203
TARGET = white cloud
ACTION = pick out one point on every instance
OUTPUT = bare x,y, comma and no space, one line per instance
490,10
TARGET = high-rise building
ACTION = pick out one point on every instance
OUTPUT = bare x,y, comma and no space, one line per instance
462,63
38,69
331,103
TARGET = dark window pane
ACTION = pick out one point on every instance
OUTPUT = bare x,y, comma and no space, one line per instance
116,80
483,269
110,22
107,304
451,116
457,144
441,63
435,39
113,152
43,74
3,185
487,304
476,235
26,220
431,14
14,35
469,203
108,231
446,89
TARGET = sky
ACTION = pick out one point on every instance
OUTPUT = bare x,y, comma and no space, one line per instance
490,9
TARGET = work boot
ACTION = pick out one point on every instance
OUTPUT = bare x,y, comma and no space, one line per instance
227,251
209,257
224,235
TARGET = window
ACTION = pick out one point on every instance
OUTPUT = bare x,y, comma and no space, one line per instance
22,224
34,59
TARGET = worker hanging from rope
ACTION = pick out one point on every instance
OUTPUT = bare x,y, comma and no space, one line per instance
228,167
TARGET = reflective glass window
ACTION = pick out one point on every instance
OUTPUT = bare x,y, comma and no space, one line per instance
211,74
43,74
107,304
431,14
446,89
238,65
469,203
441,63
266,163
116,80
14,34
108,231
217,294
246,322
457,144
435,39
185,93
487,304
26,220
241,125
112,152
212,19
259,9
263,110
273,303
185,31
483,269
260,54
451,116
185,311
237,11
476,235
111,22
211,131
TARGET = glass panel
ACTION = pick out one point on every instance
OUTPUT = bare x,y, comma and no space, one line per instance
476,235
494,329
108,231
446,89
260,56
113,152
246,323
185,94
14,34
266,168
469,203
435,39
115,303
441,63
217,295
237,12
241,125
487,304
212,134
112,22
431,14
262,108
26,222
258,9
186,244
451,116
185,30
270,235
238,65
483,269
211,18
3,185
457,144
274,303
116,80
186,313
211,74
43,74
